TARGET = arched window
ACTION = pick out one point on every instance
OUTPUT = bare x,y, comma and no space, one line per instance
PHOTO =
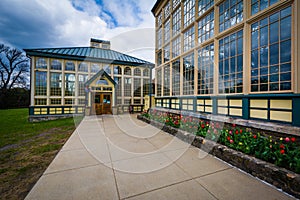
56,65
146,72
127,71
102,82
117,70
137,72
83,67
41,63
70,66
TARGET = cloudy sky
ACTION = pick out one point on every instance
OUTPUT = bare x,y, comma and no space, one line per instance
128,24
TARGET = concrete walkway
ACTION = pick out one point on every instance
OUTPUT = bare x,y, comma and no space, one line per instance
119,157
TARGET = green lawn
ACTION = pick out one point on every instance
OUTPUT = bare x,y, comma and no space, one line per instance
26,149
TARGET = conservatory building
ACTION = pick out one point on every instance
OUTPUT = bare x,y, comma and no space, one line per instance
237,59
90,80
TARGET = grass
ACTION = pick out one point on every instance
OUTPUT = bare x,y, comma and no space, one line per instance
26,150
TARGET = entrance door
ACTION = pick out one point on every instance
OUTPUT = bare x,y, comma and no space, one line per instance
102,103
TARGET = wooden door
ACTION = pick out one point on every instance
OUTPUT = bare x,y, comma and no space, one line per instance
97,104
106,103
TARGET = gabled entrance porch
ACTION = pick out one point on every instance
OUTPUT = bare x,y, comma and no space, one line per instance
100,94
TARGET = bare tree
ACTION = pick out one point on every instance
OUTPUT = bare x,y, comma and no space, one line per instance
14,71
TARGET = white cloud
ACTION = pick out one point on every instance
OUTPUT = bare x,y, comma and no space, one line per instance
56,23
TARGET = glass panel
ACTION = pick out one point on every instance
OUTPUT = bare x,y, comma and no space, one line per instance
274,54
285,28
285,51
274,32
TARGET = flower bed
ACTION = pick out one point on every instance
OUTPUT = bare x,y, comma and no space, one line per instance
234,142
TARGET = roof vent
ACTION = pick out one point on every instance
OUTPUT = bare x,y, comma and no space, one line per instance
103,44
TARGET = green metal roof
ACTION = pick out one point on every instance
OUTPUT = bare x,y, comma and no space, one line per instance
89,54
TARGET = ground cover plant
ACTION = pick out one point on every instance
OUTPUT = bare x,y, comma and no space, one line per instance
282,151
26,150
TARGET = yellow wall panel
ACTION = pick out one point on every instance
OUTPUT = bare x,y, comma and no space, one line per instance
190,101
223,102
200,101
262,114
190,107
185,101
236,102
281,116
208,109
222,110
200,108
259,103
281,104
236,112
184,107
208,102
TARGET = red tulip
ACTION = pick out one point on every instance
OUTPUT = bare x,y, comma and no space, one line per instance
236,132
228,138
254,136
202,126
281,146
282,151
233,125
241,131
293,139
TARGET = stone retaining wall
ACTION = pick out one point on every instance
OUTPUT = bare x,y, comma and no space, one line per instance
281,178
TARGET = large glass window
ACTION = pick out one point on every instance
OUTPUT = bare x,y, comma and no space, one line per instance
70,66
55,84
127,71
188,12
118,80
258,5
206,27
83,67
69,85
117,70
159,82
159,38
159,58
167,31
137,87
107,69
167,10
95,68
271,53
41,63
176,21
167,53
176,77
189,39
56,65
231,13
176,49
188,75
159,19
204,5
176,3
206,70
146,87
40,83
146,72
137,72
167,80
81,80
231,63
127,87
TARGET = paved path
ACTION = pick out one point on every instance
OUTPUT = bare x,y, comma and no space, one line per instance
119,157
